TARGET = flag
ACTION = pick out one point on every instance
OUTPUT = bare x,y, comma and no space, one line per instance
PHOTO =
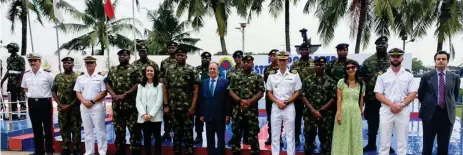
108,9
36,7
138,5
56,11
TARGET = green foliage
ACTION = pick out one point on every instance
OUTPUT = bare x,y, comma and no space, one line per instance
417,65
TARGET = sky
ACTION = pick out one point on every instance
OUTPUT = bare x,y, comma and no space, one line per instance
263,33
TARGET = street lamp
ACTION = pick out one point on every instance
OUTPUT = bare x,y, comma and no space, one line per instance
404,38
241,28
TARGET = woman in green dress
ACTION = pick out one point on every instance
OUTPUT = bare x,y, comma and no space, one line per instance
347,134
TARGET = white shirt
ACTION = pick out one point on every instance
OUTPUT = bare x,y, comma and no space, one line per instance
395,87
284,85
90,86
149,101
38,84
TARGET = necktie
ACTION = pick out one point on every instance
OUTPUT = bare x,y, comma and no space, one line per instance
211,87
441,90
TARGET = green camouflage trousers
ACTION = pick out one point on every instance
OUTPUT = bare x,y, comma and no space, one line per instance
126,117
325,131
182,125
252,124
70,122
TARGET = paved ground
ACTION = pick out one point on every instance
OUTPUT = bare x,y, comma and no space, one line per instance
15,153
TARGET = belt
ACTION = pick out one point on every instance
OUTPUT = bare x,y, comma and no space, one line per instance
39,99
14,72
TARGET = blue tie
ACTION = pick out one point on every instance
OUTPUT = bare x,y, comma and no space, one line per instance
211,87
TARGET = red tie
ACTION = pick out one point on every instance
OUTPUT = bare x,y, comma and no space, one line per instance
441,90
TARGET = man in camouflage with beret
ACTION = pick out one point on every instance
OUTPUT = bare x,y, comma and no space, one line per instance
182,90
319,96
68,109
166,66
271,68
141,63
305,67
203,70
121,83
246,89
15,71
372,67
335,68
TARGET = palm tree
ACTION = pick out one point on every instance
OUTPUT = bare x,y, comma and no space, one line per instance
99,30
166,28
449,21
276,7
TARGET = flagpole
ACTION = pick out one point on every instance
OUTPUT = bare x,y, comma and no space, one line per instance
30,31
133,30
57,45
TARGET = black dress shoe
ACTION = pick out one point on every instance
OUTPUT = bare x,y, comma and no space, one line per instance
369,148
268,141
391,150
245,141
65,152
198,139
166,137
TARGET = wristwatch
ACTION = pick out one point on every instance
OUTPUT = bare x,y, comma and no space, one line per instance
286,102
239,100
93,102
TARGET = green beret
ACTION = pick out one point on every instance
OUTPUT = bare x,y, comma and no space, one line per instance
320,60
123,51
67,59
205,55
238,53
343,46
248,58
274,51
380,39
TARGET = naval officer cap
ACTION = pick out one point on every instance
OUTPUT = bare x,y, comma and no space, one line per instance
396,51
342,46
89,59
248,58
273,52
205,55
320,60
238,53
67,59
34,56
283,55
123,51
381,39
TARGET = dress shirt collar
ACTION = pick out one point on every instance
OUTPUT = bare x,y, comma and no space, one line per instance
215,79
402,69
282,74
438,72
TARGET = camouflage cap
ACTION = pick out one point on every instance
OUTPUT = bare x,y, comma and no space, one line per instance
34,56
283,55
67,59
248,58
238,53
205,55
382,38
396,51
273,52
342,46
89,59
320,60
123,51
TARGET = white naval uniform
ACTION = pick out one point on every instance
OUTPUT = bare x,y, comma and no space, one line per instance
283,86
395,88
90,87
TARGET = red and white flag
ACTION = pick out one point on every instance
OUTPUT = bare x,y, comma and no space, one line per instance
108,9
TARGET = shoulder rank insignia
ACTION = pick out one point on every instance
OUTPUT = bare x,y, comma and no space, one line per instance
273,71
82,73
408,70
294,71
380,72
47,70
27,71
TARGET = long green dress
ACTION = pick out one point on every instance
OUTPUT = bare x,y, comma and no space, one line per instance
347,137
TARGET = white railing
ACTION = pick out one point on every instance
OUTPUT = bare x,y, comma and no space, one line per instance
4,112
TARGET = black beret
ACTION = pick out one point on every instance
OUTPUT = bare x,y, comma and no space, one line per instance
142,48
238,53
396,51
304,46
342,46
383,38
172,44
274,51
205,55
67,59
181,50
320,60
89,59
248,57
123,51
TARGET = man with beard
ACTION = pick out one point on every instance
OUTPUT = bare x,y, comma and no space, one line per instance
141,63
318,95
37,84
395,89
15,71
272,68
246,88
68,110
335,68
305,67
203,70
372,67
181,85
166,66
121,83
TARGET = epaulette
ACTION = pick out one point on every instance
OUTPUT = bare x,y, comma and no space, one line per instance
294,71
408,70
99,73
82,73
273,71
27,71
47,70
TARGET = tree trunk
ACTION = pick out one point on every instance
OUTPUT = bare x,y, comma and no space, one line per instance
23,18
224,47
221,35
361,25
439,45
288,44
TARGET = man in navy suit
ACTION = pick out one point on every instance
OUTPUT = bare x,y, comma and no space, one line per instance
438,94
215,109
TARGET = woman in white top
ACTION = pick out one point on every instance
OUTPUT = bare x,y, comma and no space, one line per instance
149,106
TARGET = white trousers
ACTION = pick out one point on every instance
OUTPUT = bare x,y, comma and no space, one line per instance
389,121
288,116
94,116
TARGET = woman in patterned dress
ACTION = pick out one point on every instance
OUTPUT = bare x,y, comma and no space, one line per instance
347,134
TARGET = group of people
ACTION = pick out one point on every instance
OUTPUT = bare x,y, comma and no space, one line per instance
330,97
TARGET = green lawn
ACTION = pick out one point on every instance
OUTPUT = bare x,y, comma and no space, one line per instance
458,111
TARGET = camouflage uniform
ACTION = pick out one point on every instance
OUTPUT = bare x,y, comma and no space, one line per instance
121,79
335,69
15,64
140,65
304,68
246,86
69,121
166,67
372,67
179,82
319,95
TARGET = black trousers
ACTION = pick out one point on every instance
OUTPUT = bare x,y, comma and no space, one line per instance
152,129
268,109
299,109
17,95
372,116
41,114
214,127
439,126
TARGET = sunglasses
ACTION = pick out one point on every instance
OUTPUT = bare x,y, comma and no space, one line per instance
351,68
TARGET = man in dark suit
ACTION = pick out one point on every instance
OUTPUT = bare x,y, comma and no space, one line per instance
438,94
215,109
